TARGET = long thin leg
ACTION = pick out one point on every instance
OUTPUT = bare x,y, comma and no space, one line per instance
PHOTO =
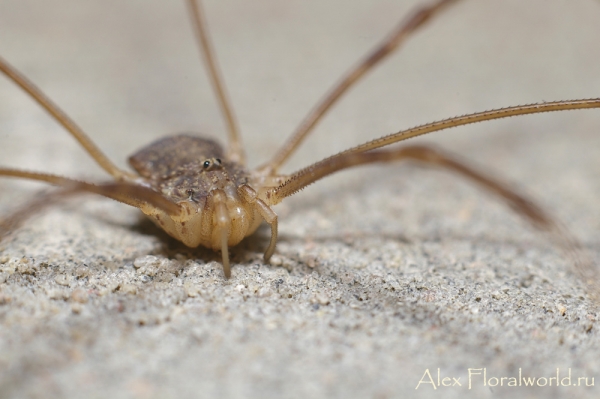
386,47
428,155
64,120
310,174
532,212
127,193
236,149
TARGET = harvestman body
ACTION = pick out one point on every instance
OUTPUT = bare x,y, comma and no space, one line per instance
202,195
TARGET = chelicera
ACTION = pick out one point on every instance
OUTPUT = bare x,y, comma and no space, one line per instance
203,194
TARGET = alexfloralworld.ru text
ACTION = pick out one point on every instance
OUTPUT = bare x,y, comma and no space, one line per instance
480,376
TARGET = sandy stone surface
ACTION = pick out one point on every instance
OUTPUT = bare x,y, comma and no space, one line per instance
381,275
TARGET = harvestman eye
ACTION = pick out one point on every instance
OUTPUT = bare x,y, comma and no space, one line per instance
233,202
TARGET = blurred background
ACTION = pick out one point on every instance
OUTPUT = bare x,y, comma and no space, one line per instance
129,72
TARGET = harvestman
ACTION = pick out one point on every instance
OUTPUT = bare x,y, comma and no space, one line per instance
202,195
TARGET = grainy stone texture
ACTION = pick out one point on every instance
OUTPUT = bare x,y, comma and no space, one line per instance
379,275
